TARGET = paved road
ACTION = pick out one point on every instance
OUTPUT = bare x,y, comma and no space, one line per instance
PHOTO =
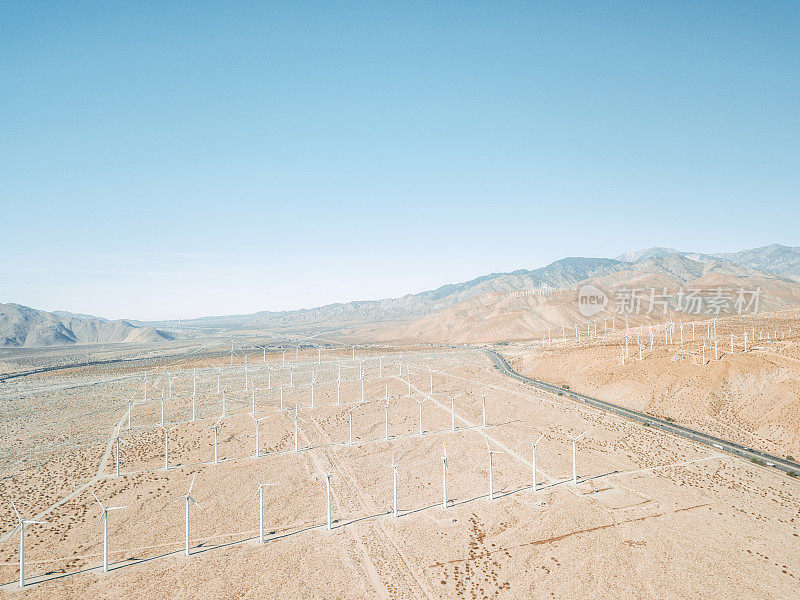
782,464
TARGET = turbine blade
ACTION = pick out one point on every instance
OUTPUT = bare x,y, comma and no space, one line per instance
191,485
16,511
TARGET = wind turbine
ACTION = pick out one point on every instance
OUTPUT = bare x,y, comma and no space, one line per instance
386,421
574,457
296,418
420,402
350,426
533,461
328,495
216,427
166,445
21,526
313,381
260,494
255,423
444,476
116,453
187,499
484,411
394,484
104,521
491,468
453,411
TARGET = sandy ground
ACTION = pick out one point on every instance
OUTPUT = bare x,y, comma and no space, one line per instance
651,516
752,398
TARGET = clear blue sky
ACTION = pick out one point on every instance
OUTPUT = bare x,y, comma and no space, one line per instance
166,160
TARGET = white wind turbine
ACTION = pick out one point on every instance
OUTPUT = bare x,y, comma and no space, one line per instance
104,521
116,452
21,526
350,426
255,424
187,499
484,411
296,418
453,411
491,468
260,494
394,485
444,476
216,427
574,456
420,403
313,382
166,445
386,421
533,462
328,496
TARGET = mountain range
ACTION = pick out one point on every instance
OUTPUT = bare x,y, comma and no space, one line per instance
23,326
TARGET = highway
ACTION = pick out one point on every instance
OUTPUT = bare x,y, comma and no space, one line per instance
776,462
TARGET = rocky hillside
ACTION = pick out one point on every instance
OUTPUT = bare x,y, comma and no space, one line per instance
24,326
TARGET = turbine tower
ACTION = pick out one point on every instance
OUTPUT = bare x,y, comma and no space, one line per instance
574,456
260,494
21,526
444,476
255,423
533,461
104,521
188,499
166,445
394,484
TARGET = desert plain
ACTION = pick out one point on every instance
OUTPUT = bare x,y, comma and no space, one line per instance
645,514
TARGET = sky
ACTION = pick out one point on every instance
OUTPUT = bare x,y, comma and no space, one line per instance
175,160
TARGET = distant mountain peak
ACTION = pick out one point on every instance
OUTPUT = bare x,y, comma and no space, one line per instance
647,253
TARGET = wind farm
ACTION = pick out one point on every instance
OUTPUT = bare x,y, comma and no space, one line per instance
477,301
487,474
